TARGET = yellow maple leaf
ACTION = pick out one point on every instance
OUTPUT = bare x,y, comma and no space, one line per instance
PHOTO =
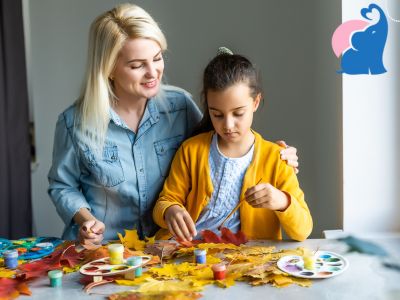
131,240
158,286
150,240
176,295
172,271
67,270
134,282
6,273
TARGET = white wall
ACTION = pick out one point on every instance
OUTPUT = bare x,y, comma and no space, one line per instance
288,40
371,137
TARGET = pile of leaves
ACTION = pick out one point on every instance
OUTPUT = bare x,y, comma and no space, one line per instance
178,277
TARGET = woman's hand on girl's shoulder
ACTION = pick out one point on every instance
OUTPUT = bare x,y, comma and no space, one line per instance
289,154
91,232
180,223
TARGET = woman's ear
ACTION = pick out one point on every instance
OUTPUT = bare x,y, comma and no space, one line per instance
257,101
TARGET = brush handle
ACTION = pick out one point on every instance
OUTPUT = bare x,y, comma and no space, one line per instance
234,210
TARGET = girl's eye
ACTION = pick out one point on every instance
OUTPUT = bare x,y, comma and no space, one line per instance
239,115
218,116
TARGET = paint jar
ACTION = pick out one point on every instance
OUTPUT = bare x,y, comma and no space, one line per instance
116,253
200,256
10,259
219,271
309,262
55,277
136,261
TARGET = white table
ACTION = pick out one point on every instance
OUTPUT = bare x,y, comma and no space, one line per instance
365,279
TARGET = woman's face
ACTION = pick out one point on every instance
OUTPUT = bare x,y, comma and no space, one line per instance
138,70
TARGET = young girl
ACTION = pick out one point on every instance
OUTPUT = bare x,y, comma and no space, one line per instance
230,163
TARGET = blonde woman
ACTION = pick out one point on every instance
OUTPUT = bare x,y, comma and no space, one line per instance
114,146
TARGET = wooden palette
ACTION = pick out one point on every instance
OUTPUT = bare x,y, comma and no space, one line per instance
327,264
102,267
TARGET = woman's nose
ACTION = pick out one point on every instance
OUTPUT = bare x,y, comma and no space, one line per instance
151,71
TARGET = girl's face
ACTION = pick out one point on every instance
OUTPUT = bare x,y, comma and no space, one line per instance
231,112
138,70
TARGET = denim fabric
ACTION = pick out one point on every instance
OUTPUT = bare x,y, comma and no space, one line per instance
227,178
121,185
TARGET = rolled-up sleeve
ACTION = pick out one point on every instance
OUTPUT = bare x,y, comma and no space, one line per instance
64,184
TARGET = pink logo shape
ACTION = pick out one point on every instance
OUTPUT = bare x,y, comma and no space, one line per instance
342,35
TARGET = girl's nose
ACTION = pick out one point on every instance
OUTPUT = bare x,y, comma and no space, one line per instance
229,123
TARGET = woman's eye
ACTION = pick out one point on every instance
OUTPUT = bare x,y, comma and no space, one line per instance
157,58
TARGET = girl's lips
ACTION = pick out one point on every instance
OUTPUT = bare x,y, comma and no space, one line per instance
150,84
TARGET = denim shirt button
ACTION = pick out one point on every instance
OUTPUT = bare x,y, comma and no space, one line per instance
141,170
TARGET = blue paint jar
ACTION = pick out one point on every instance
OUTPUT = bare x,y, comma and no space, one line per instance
136,261
200,256
10,259
55,277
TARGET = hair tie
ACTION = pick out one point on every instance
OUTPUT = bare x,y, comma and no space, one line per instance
224,50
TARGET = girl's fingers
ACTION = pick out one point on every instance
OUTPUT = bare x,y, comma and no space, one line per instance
177,230
98,227
190,225
184,229
282,144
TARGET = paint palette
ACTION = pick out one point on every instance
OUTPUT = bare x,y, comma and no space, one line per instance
102,267
30,248
327,264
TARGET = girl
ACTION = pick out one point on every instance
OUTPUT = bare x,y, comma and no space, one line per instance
229,163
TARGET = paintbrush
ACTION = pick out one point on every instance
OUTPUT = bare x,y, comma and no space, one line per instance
235,209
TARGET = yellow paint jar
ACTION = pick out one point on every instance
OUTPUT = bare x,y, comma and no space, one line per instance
116,253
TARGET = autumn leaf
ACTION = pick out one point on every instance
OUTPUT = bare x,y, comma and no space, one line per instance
6,273
12,288
237,239
157,286
131,240
178,295
134,282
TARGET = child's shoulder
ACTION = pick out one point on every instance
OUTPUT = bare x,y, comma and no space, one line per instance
267,147
198,141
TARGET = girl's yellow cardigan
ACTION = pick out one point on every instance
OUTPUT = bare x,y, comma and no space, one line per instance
189,185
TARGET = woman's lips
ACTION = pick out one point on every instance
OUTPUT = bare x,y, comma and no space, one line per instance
150,84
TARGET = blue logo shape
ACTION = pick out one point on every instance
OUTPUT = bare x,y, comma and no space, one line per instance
365,54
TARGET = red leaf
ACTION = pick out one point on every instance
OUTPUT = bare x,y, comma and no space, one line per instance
211,237
71,257
12,288
233,238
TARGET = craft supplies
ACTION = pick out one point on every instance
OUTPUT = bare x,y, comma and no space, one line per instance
55,277
325,264
136,261
200,256
102,267
116,253
219,271
10,259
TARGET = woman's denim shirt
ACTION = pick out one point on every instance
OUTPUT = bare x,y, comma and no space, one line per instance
121,187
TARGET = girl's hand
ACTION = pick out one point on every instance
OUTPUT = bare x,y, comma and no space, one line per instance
264,195
180,223
91,232
289,154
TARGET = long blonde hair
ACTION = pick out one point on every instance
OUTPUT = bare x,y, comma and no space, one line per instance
107,36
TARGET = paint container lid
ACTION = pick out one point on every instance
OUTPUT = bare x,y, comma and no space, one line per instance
55,274
44,245
10,254
198,252
134,260
115,248
218,267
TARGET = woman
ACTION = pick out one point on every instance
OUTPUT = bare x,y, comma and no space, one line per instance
114,146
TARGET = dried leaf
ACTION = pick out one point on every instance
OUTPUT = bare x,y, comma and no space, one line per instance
12,288
7,273
134,282
131,240
227,237
157,286
178,295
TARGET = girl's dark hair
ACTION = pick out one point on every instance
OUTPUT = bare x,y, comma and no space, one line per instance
222,72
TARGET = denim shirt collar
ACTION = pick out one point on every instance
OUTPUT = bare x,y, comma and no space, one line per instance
151,112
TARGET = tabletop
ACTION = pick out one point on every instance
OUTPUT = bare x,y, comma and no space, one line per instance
365,278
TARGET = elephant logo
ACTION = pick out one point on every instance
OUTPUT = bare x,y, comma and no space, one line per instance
361,43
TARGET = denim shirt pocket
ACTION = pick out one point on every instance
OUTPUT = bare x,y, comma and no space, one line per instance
108,170
165,150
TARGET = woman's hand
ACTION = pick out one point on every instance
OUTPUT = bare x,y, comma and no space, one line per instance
264,195
180,223
91,232
289,154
